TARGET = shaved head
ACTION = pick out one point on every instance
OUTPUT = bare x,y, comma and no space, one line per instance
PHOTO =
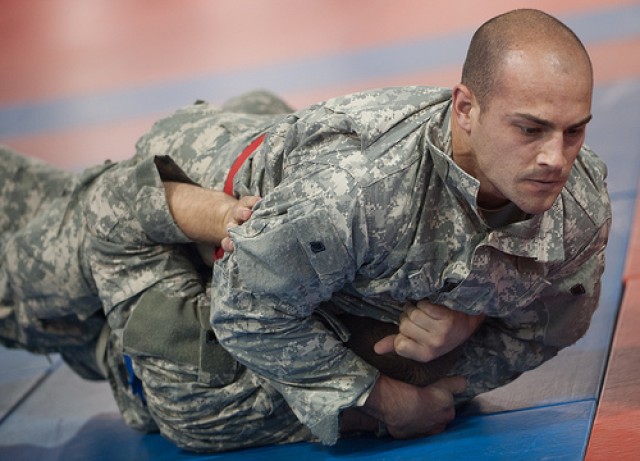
525,30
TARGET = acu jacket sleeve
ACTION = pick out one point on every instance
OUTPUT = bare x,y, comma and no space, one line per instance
292,255
134,243
504,348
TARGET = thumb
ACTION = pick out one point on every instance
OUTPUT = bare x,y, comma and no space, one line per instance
227,245
454,384
249,200
385,345
434,311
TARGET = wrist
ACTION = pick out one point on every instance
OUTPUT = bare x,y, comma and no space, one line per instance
389,399
201,214
355,420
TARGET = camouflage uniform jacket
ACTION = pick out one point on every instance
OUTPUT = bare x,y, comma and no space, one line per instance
363,208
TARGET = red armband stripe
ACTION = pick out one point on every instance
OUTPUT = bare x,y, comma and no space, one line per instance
228,184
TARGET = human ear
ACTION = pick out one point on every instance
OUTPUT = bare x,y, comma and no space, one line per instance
462,105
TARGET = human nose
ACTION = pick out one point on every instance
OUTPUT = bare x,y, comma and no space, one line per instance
552,154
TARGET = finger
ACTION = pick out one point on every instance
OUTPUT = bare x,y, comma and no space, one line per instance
422,318
428,337
227,245
435,321
418,327
249,201
243,215
404,316
414,322
385,345
434,311
408,348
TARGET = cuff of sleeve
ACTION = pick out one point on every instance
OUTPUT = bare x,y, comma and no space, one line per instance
326,429
151,207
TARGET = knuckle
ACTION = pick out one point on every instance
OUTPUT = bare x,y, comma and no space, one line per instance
403,328
399,344
402,347
438,341
412,314
449,320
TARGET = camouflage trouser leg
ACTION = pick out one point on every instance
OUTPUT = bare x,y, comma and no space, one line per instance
199,417
33,199
26,186
132,407
195,414
199,396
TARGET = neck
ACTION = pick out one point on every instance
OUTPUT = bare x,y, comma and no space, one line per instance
464,157
461,150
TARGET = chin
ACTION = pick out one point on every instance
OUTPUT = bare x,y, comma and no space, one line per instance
535,203
536,208
535,211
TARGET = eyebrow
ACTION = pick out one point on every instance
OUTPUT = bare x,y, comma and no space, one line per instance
548,124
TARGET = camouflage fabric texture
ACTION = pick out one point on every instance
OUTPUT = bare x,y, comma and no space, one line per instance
40,237
362,210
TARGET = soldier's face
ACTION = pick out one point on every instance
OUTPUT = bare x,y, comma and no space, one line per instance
528,136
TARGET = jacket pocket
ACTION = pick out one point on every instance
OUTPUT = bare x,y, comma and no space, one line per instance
178,330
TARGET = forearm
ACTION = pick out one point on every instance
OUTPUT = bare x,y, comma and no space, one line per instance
202,214
410,411
364,335
317,376
305,362
382,402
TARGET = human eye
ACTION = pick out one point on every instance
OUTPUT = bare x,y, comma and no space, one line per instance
576,131
530,130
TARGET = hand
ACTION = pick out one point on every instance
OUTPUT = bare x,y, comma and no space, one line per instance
237,213
355,420
432,412
410,411
205,215
428,331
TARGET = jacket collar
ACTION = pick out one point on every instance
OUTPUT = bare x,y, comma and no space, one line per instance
539,238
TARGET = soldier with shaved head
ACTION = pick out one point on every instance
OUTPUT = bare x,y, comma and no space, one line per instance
412,247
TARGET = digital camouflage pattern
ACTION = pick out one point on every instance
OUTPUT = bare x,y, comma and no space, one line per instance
47,297
46,214
362,210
